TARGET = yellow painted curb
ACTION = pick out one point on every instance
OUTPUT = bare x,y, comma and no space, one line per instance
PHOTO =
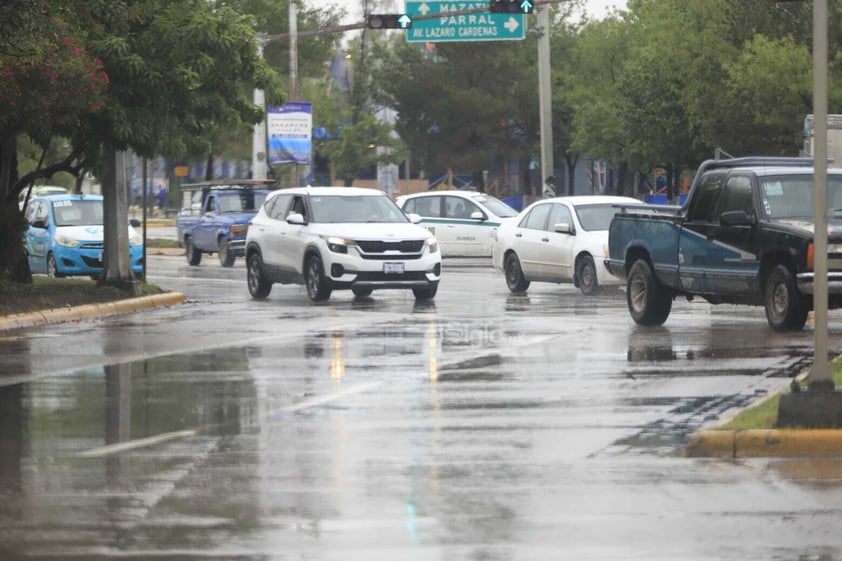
61,315
765,443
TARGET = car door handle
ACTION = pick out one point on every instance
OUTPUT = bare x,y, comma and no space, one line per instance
518,235
545,239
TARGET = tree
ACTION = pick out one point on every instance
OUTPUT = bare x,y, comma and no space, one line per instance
172,70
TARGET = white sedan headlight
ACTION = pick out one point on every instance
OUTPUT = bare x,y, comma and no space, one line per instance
66,241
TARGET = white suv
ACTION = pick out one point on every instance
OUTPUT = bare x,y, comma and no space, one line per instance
331,238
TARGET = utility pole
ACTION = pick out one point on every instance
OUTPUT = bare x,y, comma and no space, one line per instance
258,142
545,94
820,377
293,69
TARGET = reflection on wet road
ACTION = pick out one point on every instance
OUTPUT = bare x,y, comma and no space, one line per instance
483,426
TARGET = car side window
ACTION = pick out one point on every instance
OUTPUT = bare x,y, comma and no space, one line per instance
704,201
31,211
40,212
428,206
457,207
298,206
736,195
558,215
278,210
537,218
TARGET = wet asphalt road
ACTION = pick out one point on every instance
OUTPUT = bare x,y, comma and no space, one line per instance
484,426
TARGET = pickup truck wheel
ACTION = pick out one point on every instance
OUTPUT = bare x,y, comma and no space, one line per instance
586,275
194,255
226,256
514,274
785,306
259,287
649,301
318,288
426,293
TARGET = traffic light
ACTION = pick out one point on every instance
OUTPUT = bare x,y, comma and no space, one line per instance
389,21
511,6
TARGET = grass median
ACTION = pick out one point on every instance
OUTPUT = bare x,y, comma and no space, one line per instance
764,414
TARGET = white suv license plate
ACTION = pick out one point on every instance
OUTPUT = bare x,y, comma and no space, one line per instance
393,268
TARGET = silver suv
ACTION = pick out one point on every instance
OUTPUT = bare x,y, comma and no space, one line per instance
332,238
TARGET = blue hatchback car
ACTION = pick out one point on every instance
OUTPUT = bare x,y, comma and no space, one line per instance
65,236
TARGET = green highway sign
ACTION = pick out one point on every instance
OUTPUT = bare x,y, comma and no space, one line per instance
479,26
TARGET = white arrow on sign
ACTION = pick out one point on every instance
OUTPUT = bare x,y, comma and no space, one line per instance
424,8
511,25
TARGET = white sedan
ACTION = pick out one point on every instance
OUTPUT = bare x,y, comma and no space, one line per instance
562,239
464,222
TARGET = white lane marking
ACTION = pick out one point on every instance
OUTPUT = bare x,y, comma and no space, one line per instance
167,436
135,444
317,401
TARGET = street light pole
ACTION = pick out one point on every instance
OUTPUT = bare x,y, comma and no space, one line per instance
293,69
258,143
820,377
545,95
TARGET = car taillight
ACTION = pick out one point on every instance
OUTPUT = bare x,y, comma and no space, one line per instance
810,257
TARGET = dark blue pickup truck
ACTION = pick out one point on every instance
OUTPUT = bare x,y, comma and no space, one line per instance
744,236
217,218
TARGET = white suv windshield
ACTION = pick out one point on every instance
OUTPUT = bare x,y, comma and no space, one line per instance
355,208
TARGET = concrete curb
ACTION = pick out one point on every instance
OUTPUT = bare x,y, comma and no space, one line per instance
164,251
61,315
784,443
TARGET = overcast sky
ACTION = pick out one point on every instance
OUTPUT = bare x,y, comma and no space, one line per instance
595,8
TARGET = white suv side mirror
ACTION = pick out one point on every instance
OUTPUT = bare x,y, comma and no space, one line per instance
414,218
295,218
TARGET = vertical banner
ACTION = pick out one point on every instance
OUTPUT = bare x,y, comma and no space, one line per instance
290,128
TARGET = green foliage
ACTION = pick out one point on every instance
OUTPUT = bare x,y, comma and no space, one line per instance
356,149
460,106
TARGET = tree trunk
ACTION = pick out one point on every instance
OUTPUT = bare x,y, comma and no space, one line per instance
670,183
8,167
571,160
115,256
621,181
209,168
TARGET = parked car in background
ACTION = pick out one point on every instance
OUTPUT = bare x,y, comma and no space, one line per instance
40,191
464,222
66,236
217,218
561,239
334,238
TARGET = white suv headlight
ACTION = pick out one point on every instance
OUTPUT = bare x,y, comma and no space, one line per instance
433,244
337,244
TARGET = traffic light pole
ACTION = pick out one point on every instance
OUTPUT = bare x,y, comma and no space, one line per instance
545,94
